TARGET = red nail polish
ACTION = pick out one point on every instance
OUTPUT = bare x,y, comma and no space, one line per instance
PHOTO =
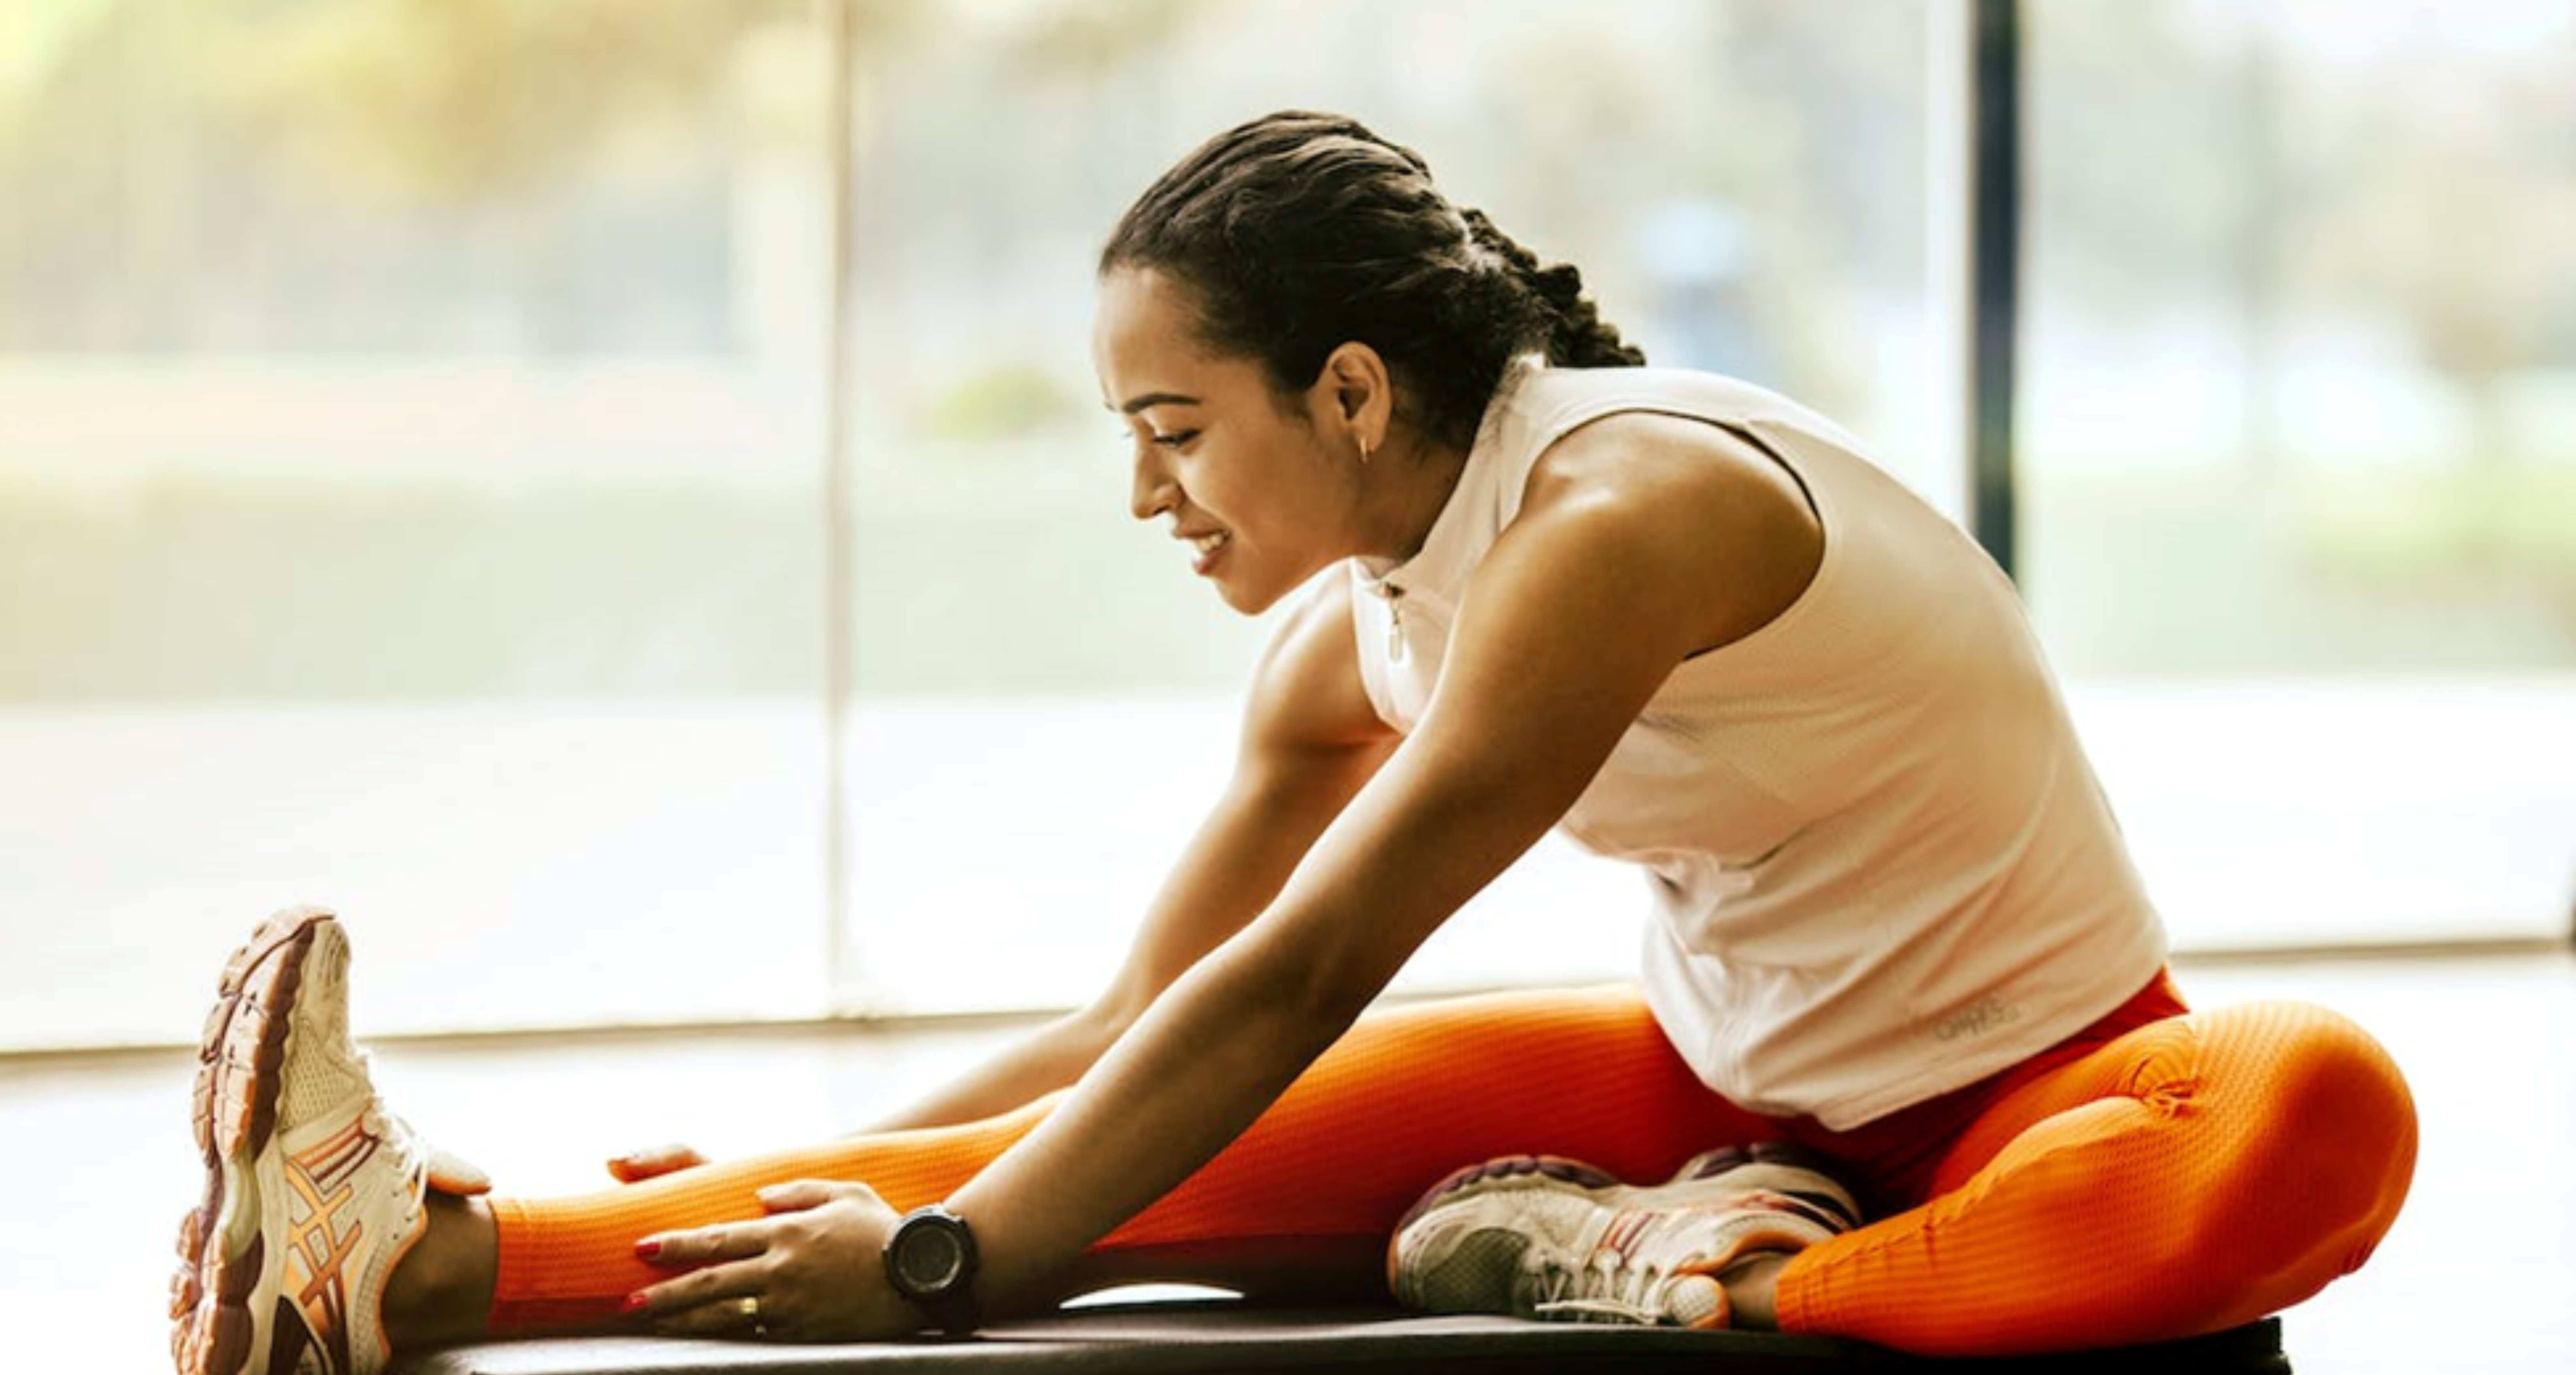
647,1249
634,1304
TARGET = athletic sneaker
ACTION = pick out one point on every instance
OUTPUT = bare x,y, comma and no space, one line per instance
1541,1237
313,1192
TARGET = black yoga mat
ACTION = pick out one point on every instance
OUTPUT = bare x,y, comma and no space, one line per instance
1201,1338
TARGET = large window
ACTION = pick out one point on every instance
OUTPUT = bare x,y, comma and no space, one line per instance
420,492
2299,504
613,495
410,448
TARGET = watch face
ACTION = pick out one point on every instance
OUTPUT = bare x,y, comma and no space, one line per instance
930,1258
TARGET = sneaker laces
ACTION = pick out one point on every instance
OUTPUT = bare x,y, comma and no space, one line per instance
1606,1285
426,1166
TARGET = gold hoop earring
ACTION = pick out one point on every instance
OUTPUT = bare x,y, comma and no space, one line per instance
1365,450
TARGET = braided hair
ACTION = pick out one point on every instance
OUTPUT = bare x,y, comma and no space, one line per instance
1299,232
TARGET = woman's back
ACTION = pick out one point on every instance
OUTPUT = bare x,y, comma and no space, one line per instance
1881,864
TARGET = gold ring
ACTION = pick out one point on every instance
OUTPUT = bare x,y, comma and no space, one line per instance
749,1307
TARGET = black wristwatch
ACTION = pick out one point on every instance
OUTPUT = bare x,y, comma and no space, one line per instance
931,1261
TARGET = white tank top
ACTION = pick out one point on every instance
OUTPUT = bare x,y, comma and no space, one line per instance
1881,866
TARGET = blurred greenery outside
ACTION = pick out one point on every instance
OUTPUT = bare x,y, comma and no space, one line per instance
415,494
2301,394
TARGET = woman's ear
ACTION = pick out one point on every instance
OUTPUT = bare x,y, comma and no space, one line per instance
1355,395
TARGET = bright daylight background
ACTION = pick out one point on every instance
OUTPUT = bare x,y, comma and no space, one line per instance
420,493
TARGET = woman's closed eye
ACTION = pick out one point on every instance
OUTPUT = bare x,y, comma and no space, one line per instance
1175,439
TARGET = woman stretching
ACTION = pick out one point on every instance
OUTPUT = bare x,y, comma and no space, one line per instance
1900,961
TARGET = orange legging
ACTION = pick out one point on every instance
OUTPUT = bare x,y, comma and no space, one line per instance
2160,1174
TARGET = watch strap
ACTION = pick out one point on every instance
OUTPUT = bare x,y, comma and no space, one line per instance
956,1313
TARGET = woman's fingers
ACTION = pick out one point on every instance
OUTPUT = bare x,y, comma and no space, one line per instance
796,1196
728,1268
806,1272
721,1301
653,1162
456,1176
727,1241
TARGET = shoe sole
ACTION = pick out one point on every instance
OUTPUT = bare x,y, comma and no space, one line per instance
235,1107
1508,1172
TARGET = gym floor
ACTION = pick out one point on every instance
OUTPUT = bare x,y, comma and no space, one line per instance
2479,1275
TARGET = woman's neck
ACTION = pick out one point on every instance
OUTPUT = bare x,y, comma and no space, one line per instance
1404,489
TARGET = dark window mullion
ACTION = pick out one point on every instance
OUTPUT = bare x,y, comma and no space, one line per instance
1994,273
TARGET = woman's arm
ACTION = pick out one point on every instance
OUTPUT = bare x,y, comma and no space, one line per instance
1633,552
1310,739
1625,561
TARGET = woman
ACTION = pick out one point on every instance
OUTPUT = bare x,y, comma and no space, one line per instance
1899,949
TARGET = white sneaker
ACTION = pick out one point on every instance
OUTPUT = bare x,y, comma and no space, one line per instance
1541,1237
313,1192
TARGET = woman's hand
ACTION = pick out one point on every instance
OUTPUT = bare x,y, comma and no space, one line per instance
653,1162
811,1271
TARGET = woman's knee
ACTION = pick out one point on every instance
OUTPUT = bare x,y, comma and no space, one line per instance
2325,1120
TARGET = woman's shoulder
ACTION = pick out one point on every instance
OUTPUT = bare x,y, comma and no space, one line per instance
1561,391
1542,406
1670,460
1703,504
1674,439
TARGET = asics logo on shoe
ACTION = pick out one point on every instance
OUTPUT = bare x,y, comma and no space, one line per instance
325,1235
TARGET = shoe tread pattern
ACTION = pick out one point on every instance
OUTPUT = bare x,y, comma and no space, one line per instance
234,1103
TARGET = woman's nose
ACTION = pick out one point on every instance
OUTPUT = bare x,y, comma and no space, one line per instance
1154,491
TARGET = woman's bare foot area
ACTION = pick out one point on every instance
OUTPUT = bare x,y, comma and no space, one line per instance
442,1291
1752,1290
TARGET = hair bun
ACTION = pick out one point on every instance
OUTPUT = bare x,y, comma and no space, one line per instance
1560,286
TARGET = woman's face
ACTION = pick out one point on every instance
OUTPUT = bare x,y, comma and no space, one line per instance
1260,499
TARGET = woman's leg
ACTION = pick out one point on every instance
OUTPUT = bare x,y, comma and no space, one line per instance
2189,1176
1319,1181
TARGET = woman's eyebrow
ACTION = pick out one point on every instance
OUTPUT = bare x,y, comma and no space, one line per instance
1152,399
